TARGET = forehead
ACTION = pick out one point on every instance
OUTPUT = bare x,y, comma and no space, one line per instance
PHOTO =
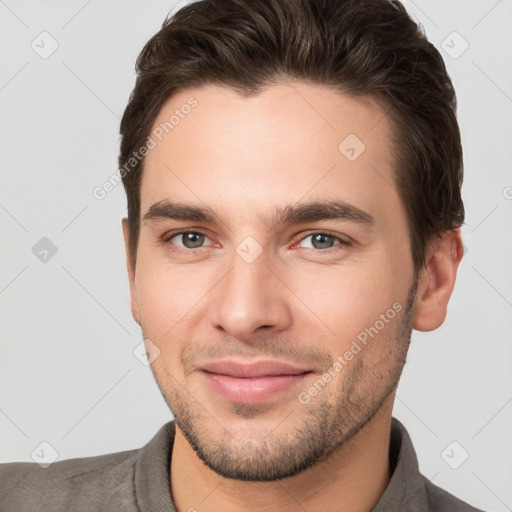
291,142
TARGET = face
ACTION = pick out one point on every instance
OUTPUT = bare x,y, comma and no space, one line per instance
274,277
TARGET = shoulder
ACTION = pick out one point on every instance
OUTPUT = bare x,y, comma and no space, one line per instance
104,482
442,501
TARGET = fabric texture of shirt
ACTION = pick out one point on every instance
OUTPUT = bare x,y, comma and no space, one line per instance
139,481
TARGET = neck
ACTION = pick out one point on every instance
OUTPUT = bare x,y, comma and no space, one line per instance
352,479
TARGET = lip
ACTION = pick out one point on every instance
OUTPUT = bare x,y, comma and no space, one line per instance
252,369
252,383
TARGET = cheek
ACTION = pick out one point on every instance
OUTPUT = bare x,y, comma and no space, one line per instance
166,295
343,301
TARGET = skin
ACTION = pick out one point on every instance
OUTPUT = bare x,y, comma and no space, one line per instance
243,157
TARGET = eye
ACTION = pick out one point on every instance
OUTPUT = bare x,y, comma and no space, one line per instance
324,242
186,239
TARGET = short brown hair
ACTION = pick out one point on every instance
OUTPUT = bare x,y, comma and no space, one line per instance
359,47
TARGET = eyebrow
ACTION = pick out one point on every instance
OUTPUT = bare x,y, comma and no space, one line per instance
291,214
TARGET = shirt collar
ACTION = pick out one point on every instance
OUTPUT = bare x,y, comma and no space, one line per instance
405,491
152,472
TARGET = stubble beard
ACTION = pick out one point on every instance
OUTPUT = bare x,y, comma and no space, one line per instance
308,434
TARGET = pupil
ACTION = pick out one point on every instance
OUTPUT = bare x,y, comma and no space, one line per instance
322,239
192,240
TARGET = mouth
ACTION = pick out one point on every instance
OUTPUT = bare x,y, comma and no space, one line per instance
252,382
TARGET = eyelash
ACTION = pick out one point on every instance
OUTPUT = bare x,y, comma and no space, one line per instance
342,241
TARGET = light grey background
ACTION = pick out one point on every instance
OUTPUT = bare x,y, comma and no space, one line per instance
68,375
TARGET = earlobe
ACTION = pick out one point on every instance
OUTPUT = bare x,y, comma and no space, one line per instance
131,272
436,282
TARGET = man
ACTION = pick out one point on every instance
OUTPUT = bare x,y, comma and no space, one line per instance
293,173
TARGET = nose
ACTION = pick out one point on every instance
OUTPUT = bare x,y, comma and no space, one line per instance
250,297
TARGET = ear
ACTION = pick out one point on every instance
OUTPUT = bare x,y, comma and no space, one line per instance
436,281
131,272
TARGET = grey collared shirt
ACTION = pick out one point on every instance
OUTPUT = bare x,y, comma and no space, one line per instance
139,481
